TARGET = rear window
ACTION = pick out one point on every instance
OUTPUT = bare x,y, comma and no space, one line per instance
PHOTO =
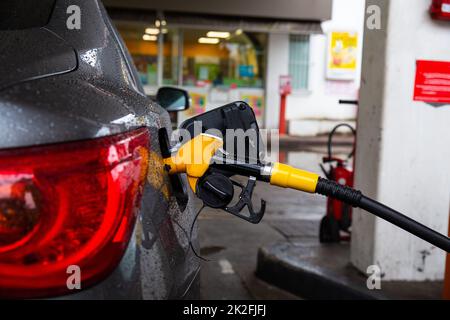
25,14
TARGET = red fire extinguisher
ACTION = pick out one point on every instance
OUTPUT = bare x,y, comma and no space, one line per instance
440,9
335,225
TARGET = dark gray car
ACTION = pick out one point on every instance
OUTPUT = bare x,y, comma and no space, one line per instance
85,201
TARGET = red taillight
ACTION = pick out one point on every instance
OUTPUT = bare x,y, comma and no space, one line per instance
64,205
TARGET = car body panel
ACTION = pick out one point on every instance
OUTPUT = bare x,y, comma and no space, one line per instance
51,56
101,96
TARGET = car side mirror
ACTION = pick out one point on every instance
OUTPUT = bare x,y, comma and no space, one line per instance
173,99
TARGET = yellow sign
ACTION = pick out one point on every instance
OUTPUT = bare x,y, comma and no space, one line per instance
342,55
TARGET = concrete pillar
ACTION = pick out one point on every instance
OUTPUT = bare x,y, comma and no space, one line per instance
277,65
403,147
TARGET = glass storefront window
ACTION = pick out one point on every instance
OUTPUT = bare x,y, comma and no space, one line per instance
143,52
236,61
215,66
171,60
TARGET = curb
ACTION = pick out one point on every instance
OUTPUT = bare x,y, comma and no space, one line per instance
302,280
323,271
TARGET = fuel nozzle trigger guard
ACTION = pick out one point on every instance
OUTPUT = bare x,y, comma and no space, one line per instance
216,191
245,200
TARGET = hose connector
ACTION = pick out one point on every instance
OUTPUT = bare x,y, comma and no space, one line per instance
337,191
286,176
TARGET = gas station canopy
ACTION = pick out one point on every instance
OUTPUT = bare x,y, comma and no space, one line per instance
287,16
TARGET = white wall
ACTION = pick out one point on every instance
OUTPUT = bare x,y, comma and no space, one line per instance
320,102
403,151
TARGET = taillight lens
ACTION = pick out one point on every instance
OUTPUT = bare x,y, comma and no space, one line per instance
65,205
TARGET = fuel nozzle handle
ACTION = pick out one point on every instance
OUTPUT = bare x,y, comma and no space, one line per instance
188,159
289,177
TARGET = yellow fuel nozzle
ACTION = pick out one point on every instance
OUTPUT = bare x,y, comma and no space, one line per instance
194,157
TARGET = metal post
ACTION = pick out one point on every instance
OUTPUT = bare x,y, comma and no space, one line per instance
160,72
282,125
180,56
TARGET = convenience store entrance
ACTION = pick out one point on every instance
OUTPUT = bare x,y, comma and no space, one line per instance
215,66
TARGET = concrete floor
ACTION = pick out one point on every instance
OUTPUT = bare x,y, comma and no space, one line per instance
231,244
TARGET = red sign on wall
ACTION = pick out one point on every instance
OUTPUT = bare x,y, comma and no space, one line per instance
432,81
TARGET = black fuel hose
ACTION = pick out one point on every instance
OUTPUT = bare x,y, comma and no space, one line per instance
357,199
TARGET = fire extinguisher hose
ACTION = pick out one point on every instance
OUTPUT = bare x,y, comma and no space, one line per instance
357,199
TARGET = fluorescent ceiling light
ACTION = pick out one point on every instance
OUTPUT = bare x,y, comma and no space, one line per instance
152,31
148,37
218,34
208,40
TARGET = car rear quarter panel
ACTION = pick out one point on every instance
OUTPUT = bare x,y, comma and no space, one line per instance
89,93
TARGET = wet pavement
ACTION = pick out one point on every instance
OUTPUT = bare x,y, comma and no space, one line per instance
284,248
232,244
